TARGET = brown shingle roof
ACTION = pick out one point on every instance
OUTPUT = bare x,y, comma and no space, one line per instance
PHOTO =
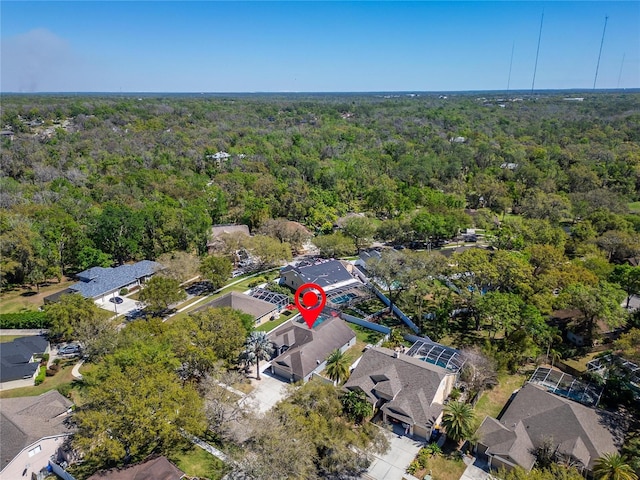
408,385
155,469
24,420
239,301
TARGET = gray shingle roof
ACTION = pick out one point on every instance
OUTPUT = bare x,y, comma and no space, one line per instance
245,303
406,386
98,281
15,356
323,273
537,415
308,347
24,420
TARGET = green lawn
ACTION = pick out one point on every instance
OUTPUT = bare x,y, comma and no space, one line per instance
634,207
62,377
27,298
198,463
580,363
365,335
443,467
271,324
9,338
492,401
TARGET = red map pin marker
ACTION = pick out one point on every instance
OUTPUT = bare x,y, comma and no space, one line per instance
310,300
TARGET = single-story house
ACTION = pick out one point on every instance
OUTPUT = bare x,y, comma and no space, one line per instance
34,429
535,418
219,231
406,389
158,468
260,310
365,257
278,299
574,328
328,274
100,283
301,351
18,365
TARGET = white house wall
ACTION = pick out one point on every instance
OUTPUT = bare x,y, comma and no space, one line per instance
32,464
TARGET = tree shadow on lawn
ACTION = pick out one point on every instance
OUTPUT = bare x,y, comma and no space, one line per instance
462,333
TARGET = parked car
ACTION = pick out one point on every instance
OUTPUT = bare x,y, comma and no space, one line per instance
116,300
69,350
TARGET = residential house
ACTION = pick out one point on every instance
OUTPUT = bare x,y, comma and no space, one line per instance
302,351
158,468
100,283
328,274
278,299
18,363
407,390
260,310
535,418
34,429
575,329
365,257
218,232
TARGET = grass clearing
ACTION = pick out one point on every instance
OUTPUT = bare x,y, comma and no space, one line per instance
492,401
50,383
580,363
443,467
28,298
271,324
198,463
634,207
355,351
365,335
9,338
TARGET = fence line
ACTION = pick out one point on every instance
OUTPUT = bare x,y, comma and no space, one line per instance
365,324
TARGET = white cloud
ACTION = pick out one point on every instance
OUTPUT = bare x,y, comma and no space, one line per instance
39,61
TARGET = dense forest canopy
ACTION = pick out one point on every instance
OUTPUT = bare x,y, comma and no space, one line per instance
99,180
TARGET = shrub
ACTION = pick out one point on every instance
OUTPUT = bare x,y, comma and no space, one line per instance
25,319
45,357
124,291
57,361
41,375
256,281
455,394
413,467
64,389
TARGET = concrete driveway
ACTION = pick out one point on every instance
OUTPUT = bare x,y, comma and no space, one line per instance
476,470
393,464
126,306
268,391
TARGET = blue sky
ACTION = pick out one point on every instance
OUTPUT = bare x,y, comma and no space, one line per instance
307,46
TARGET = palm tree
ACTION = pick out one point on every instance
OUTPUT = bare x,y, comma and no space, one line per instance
458,420
356,406
613,466
257,347
337,366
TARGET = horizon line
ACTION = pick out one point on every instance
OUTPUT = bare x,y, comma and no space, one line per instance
319,92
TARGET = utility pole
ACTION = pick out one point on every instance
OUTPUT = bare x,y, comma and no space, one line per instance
600,53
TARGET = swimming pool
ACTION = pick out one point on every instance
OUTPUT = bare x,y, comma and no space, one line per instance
343,298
